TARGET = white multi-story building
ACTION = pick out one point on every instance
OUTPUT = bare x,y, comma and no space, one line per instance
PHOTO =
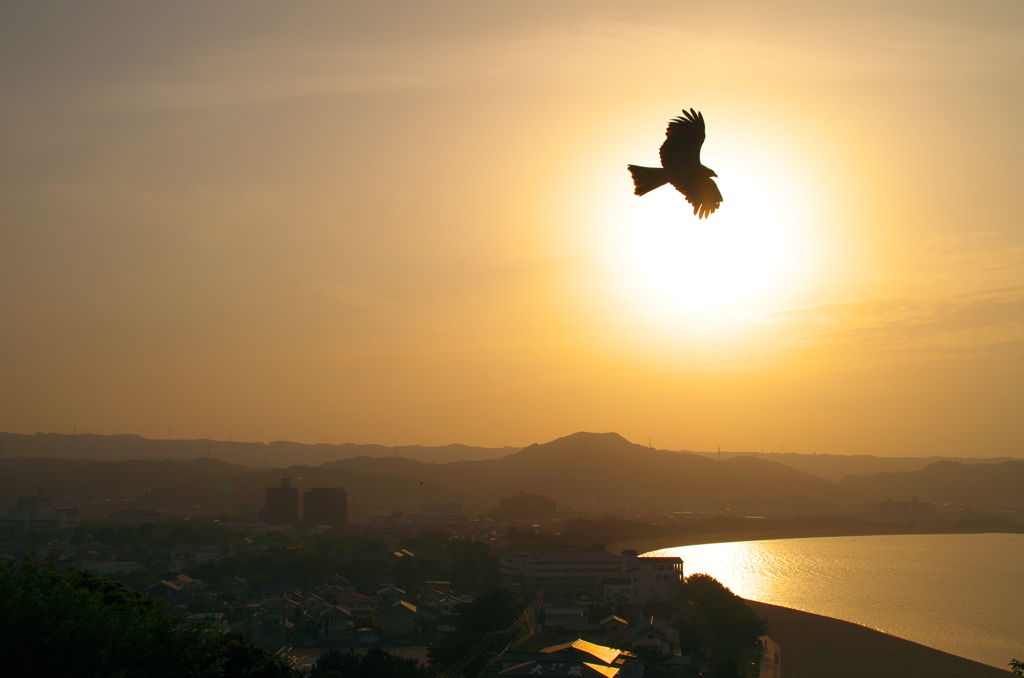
645,578
597,574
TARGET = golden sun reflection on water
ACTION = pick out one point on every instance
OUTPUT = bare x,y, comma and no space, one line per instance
897,584
732,564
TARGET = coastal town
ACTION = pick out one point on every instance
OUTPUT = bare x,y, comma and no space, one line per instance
302,578
421,340
399,584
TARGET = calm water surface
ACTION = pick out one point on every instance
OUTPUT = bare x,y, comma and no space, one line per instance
961,594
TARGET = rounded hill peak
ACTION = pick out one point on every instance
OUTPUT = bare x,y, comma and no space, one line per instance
593,445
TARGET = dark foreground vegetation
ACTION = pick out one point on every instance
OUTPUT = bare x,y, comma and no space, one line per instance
75,624
70,622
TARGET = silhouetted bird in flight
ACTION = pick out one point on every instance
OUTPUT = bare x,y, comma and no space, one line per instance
680,159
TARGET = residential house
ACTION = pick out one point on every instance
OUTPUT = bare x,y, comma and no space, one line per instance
653,632
578,658
398,619
389,595
559,669
448,604
337,580
334,623
236,586
163,590
355,602
187,583
274,620
442,586
613,628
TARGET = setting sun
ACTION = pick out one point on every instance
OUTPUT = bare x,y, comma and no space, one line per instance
515,279
748,252
348,222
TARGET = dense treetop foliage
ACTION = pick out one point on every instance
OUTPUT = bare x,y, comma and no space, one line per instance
716,626
478,638
374,663
54,624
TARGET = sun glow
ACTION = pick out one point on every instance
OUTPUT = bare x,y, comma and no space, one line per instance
744,254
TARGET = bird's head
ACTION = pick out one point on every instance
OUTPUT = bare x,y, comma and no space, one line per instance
708,172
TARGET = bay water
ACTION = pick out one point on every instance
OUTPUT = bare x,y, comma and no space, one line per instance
959,593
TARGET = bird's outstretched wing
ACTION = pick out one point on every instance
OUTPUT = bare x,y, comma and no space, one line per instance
702,193
683,139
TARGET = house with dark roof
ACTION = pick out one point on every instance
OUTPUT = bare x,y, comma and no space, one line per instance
613,627
187,583
274,620
655,633
333,622
337,580
163,590
388,595
398,619
235,586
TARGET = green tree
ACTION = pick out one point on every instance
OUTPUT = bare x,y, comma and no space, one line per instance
730,621
375,663
469,648
78,624
718,624
1017,667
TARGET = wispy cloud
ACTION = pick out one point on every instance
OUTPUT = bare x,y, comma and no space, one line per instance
881,329
241,69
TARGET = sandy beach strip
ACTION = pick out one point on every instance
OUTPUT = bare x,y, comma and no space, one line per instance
813,646
701,538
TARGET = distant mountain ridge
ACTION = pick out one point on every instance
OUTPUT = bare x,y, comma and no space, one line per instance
608,469
838,466
122,447
598,471
948,481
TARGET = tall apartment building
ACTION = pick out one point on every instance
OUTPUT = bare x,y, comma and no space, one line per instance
325,506
282,504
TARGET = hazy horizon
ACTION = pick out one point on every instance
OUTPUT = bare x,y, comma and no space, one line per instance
724,453
413,224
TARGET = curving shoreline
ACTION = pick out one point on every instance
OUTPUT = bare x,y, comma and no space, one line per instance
755,534
816,645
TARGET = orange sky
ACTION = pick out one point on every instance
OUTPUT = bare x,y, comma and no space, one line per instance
411,223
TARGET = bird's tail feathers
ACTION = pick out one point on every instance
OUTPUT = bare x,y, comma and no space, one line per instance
646,179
